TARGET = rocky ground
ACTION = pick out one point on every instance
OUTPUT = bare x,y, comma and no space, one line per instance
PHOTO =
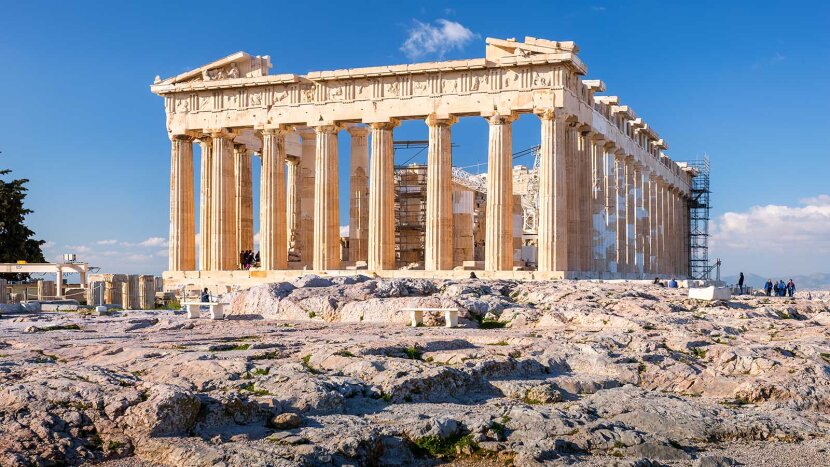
324,373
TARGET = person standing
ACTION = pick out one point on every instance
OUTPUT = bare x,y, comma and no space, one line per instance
768,287
741,284
791,288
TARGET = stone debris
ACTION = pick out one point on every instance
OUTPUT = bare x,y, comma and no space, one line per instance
327,372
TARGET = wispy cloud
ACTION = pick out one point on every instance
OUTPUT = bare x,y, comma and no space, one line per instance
436,39
154,241
106,242
790,238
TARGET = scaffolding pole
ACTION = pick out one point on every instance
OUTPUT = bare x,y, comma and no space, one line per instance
699,208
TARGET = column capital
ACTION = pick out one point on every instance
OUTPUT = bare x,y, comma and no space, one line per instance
328,128
584,129
358,130
274,131
551,114
220,133
392,123
182,137
292,160
619,154
501,119
598,138
440,120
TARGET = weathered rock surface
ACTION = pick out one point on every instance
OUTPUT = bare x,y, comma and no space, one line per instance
325,371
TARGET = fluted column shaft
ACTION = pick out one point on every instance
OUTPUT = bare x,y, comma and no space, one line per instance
498,247
182,256
381,252
223,256
244,199
273,244
662,260
205,181
359,194
326,203
308,165
630,216
584,188
552,236
573,215
292,203
438,248
652,225
597,185
610,208
622,226
640,221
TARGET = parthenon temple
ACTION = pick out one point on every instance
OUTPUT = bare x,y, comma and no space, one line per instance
606,200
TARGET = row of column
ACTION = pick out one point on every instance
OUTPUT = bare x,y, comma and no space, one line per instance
599,210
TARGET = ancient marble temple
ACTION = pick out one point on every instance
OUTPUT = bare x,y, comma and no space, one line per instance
611,204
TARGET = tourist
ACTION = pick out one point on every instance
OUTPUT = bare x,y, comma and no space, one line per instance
741,284
242,259
782,288
768,287
256,259
473,275
205,298
656,281
791,288
673,283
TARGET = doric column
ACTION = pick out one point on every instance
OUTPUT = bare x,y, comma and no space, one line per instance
273,244
205,170
359,194
182,216
326,202
244,199
673,231
308,164
662,259
292,203
611,209
630,216
585,256
597,186
552,236
622,198
572,196
498,247
640,220
651,261
223,256
438,247
381,249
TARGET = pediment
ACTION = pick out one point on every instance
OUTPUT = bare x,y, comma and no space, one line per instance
238,65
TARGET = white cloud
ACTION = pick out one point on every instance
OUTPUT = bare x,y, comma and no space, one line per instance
49,245
154,241
792,239
106,242
77,249
344,230
436,39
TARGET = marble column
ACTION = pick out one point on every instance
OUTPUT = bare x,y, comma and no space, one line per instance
630,216
359,194
662,259
584,187
641,220
573,215
622,226
381,248
652,225
223,256
205,169
611,210
244,199
438,247
292,203
308,165
273,244
498,247
597,185
552,236
182,256
326,201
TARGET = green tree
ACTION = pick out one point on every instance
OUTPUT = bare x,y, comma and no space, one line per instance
16,240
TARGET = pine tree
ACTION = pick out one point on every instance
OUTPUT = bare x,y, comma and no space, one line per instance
16,240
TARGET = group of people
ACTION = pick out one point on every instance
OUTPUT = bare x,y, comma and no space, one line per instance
779,288
248,260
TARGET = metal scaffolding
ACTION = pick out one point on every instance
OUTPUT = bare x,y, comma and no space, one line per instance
699,207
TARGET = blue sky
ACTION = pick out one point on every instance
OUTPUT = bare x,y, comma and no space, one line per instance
742,81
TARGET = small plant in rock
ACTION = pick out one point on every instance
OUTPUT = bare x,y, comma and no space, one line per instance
60,327
412,352
450,447
308,366
311,315
344,353
491,324
261,371
649,327
501,342
698,352
641,368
